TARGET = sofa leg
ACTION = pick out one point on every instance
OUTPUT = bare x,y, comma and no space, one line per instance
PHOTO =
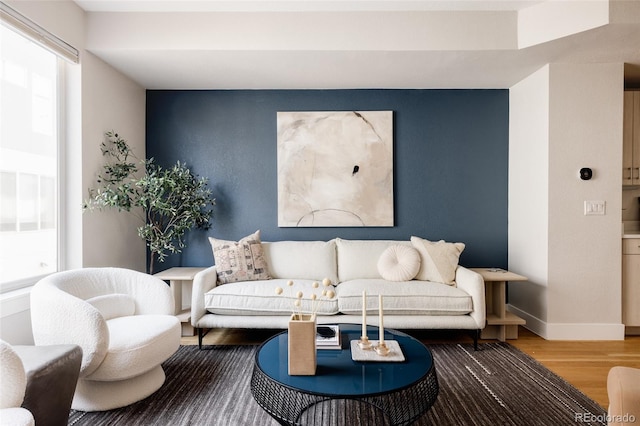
476,336
201,334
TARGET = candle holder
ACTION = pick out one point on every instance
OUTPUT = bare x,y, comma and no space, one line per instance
382,349
364,343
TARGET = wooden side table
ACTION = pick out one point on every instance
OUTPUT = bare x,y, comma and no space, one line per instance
177,277
501,324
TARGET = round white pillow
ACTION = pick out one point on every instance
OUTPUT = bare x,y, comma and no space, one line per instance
399,263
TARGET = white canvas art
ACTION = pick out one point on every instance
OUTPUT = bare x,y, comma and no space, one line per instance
335,168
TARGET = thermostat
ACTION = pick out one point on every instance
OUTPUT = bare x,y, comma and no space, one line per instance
586,173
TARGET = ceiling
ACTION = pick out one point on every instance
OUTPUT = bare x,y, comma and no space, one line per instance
298,5
244,44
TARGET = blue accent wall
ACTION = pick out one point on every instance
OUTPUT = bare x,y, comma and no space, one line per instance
450,163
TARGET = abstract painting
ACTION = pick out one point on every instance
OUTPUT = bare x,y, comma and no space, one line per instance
335,168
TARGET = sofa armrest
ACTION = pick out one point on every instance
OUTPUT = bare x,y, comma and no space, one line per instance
472,283
202,283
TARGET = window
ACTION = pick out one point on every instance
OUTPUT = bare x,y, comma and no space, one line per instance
29,159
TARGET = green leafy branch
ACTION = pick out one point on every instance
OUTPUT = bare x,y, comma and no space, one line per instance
169,201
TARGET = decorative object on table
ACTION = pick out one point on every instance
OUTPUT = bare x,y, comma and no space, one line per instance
168,201
364,342
326,332
328,337
381,347
335,168
302,345
394,352
302,329
314,300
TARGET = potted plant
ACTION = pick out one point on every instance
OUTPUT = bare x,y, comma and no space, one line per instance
169,201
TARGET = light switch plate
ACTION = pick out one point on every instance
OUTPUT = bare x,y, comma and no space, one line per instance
594,207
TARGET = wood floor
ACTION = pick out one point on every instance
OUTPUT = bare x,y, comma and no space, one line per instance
584,364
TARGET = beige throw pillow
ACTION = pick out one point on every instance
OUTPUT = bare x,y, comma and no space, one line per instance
438,260
399,263
240,261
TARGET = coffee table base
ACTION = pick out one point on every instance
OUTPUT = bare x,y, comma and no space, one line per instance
291,406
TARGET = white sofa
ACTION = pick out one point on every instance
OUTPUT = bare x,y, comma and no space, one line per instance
352,266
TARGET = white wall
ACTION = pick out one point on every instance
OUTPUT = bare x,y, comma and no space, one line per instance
110,101
585,251
314,31
99,98
580,298
529,192
552,20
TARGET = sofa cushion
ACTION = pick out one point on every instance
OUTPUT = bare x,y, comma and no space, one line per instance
403,298
260,298
399,263
359,258
240,261
439,260
310,260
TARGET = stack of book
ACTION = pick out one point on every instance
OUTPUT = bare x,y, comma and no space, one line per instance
328,337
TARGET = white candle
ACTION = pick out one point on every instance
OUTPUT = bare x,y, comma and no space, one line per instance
381,319
364,313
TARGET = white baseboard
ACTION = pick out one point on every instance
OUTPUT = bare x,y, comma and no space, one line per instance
570,331
534,324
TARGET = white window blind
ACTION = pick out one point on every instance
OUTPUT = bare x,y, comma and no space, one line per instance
16,21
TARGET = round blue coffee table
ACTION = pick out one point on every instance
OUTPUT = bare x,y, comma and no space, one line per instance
344,391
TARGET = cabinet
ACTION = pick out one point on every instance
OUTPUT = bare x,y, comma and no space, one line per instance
631,139
631,283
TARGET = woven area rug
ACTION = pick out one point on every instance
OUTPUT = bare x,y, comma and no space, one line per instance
496,385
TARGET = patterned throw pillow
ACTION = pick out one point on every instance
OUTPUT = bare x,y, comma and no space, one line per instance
439,260
240,261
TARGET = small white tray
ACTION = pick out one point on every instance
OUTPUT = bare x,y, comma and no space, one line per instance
395,353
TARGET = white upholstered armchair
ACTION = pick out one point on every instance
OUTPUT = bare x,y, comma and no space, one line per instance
12,391
123,321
